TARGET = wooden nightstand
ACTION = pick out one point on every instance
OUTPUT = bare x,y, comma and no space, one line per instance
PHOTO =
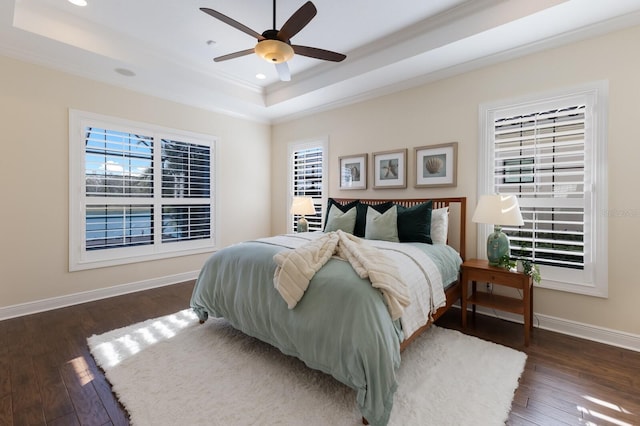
475,270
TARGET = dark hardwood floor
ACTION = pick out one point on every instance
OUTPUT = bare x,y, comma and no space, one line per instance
567,380
47,375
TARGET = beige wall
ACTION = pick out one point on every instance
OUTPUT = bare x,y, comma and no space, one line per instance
34,164
447,111
34,104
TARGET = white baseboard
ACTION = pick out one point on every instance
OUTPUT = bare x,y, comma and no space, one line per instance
608,336
88,296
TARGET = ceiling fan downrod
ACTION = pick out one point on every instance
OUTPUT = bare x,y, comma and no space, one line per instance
274,15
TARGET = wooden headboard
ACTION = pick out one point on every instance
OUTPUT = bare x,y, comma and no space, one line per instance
457,215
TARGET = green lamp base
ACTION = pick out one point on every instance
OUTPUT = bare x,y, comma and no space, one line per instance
497,246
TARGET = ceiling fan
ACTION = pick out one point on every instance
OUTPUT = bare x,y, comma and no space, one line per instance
275,45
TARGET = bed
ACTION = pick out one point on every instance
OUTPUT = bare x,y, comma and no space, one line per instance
342,324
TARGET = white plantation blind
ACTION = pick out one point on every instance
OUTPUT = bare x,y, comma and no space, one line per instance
118,164
185,223
186,169
186,175
540,158
111,226
307,179
550,152
142,195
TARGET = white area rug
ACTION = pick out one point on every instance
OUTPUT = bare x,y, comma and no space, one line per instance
171,371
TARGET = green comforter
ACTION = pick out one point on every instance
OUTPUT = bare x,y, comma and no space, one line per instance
341,326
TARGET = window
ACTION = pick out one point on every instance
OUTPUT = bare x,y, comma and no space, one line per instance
307,178
550,152
137,192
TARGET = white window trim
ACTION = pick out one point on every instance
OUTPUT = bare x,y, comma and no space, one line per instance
79,258
594,279
297,146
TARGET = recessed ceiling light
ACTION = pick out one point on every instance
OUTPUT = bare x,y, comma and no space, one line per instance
125,72
78,2
260,76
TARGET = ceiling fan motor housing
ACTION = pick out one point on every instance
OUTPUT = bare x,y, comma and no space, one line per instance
273,49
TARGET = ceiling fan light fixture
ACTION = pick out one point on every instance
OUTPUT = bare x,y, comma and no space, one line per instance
274,51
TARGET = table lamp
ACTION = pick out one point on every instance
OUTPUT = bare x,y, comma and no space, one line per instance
302,206
498,210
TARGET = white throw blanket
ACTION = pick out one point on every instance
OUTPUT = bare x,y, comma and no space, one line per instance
295,268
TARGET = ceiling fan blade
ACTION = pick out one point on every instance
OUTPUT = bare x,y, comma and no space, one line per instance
283,71
235,24
233,55
297,21
314,52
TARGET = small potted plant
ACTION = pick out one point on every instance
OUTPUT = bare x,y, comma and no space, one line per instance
521,265
506,262
530,268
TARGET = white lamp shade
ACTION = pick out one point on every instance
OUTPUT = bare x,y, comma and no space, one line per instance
302,206
498,209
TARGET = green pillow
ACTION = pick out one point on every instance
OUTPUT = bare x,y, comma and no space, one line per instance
361,219
382,226
336,219
414,223
343,208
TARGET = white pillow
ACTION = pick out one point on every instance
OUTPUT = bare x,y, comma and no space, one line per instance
382,226
439,225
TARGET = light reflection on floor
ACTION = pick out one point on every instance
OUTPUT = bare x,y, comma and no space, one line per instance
602,416
606,404
81,369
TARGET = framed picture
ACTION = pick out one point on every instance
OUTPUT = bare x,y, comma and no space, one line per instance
390,169
436,165
353,171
